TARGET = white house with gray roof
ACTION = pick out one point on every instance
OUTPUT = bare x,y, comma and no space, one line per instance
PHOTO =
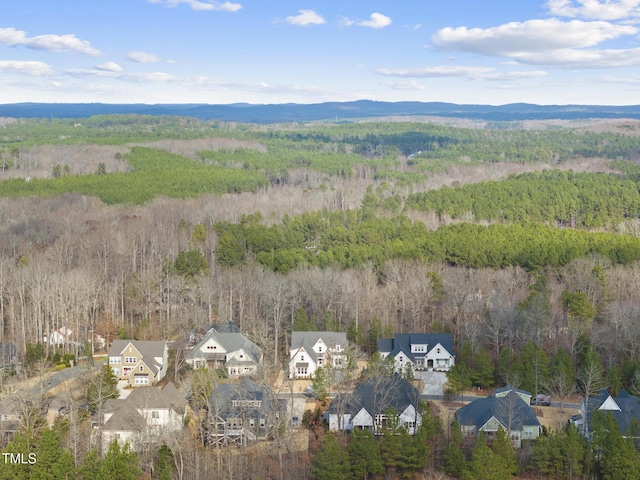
420,351
367,407
310,350
229,350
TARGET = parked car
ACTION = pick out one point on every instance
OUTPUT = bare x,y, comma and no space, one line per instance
541,400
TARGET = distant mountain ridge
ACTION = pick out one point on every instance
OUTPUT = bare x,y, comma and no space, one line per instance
291,112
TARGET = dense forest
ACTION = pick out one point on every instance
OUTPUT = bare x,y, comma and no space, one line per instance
523,244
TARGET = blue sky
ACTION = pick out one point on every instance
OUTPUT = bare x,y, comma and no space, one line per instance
280,51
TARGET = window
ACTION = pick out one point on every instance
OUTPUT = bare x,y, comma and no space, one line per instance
320,349
302,371
141,380
155,414
263,422
252,422
142,368
438,350
115,360
302,358
130,360
116,371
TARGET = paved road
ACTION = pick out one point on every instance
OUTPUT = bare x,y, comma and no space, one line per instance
50,380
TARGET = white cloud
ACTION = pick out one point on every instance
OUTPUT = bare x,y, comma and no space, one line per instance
306,17
345,22
144,57
410,85
595,9
473,73
584,59
25,67
152,77
198,5
109,67
516,38
376,20
550,42
50,42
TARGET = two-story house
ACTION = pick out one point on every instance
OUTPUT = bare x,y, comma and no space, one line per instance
145,415
369,405
229,350
243,411
310,350
141,363
421,351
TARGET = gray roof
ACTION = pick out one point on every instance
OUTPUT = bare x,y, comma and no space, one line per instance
222,397
307,340
160,398
509,410
401,342
629,408
125,418
231,342
226,327
376,395
148,349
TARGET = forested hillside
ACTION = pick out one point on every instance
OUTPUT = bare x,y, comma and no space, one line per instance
525,245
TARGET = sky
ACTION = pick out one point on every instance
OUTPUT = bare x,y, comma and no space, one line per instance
291,51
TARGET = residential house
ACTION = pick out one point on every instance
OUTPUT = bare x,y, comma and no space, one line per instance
121,421
369,405
310,350
141,363
624,407
229,350
421,351
10,419
241,412
163,408
144,416
62,336
509,412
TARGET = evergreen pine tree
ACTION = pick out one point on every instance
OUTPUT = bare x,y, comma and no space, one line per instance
331,461
455,461
363,455
503,448
120,464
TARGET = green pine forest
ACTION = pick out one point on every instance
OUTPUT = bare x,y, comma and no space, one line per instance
521,241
